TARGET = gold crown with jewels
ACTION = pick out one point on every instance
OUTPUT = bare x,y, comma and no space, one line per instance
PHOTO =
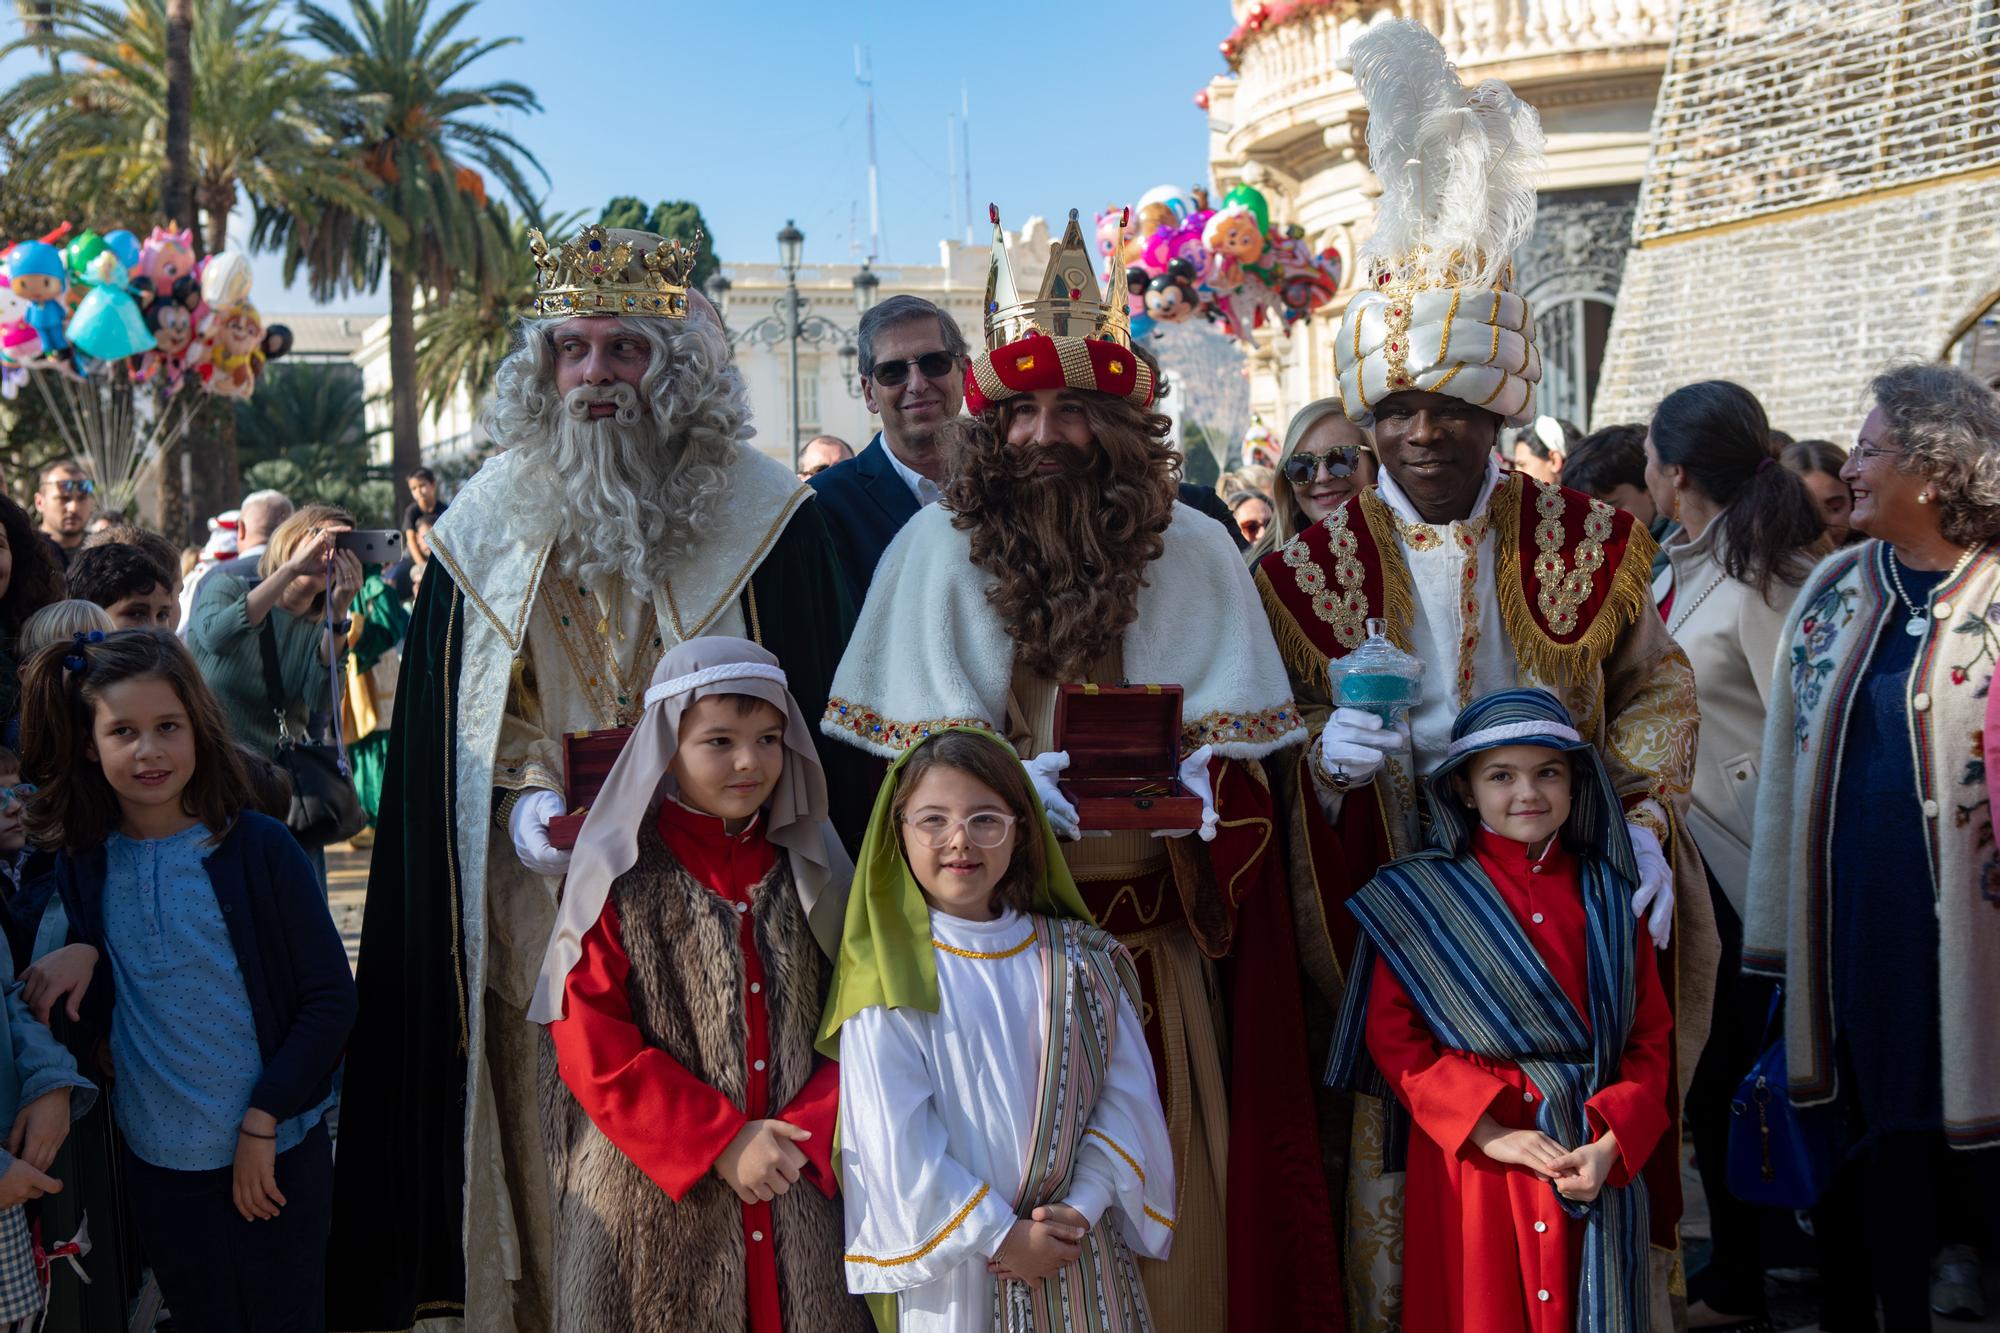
612,272
1071,303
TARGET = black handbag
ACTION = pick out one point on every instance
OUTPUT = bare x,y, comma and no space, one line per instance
325,806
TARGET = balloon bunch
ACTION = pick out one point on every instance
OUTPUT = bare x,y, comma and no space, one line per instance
1229,264
111,305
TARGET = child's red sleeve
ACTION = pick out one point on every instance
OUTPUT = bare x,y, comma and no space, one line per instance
671,1124
1635,1106
816,1108
1445,1093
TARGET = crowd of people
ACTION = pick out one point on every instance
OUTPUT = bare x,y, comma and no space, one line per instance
981,882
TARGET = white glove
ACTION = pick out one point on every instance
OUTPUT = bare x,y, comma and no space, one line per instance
1194,776
1654,902
528,826
1045,770
1356,743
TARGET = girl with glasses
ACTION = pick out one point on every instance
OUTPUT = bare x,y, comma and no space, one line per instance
1003,1150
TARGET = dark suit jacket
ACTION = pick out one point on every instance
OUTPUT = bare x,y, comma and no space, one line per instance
865,503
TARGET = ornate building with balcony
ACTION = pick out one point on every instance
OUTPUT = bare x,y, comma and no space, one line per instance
1288,120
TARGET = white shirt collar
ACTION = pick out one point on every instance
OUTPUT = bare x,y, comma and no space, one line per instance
926,490
1399,503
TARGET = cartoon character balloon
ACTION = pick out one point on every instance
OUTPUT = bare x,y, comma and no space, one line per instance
1161,208
38,277
171,320
1117,236
166,258
107,325
1171,298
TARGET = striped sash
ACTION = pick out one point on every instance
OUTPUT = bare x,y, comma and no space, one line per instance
1473,974
1083,972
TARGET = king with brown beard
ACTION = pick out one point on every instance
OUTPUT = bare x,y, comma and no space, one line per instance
1059,555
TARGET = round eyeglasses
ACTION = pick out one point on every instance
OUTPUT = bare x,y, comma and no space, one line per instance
985,829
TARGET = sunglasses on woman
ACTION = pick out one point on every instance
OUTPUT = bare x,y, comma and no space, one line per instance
1341,461
933,366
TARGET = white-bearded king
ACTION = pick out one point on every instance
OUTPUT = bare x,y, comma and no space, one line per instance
626,515
1060,556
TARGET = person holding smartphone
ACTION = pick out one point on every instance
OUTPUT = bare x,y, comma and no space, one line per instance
231,616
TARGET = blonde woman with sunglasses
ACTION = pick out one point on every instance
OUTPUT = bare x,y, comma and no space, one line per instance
1326,459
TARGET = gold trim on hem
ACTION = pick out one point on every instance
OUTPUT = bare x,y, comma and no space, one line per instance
929,1245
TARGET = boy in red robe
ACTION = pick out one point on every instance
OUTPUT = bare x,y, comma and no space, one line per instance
688,1121
1509,1002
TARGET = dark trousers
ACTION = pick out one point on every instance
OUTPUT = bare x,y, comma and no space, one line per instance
1891,1205
221,1274
1733,1281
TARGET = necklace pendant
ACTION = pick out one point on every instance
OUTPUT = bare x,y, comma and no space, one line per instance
1916,626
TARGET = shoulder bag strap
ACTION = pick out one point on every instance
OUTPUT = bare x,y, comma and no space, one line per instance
274,680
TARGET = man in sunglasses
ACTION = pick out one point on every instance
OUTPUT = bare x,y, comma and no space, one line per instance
65,502
912,370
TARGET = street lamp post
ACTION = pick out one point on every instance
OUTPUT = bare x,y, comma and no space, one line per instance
790,242
791,322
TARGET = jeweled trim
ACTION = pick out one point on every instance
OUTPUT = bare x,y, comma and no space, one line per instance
887,735
957,1220
1269,726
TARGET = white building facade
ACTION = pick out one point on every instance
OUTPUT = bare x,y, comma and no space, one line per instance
1289,121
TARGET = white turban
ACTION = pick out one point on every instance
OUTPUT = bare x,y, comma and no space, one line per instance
1474,343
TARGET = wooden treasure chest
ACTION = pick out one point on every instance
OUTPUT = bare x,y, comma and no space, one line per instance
587,760
1124,757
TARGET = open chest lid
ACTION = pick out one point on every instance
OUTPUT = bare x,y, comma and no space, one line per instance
1119,731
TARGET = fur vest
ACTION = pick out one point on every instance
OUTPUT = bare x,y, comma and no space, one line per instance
626,1255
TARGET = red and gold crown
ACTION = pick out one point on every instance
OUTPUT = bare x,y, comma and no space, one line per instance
1070,336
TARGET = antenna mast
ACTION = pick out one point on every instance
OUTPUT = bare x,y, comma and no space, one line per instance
864,74
965,154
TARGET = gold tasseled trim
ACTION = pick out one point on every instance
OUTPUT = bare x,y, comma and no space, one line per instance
1564,663
1306,662
1399,598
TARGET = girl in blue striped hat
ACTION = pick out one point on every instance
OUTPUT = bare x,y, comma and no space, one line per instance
1506,999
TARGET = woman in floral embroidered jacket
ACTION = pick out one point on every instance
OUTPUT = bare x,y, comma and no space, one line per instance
1874,885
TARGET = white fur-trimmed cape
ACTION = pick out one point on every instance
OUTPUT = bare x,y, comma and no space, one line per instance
930,651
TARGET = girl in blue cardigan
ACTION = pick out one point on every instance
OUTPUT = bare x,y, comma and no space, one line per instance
201,946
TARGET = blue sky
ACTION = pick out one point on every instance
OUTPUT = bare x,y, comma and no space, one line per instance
752,110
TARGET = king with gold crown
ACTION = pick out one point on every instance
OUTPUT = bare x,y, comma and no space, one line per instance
1057,587
1494,580
625,514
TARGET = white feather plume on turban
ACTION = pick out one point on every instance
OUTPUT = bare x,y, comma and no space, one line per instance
1458,169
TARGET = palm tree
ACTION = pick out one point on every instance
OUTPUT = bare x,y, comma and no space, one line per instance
462,339
261,117
429,161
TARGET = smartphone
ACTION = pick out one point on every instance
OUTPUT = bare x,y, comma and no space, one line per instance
372,546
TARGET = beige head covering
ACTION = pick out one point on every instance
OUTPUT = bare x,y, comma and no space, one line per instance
795,815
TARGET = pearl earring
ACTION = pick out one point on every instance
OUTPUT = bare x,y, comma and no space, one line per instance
1923,497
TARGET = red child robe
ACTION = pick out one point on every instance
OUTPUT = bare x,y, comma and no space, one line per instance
671,1124
1488,1248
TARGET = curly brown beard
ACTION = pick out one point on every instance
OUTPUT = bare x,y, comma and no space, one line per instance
1068,550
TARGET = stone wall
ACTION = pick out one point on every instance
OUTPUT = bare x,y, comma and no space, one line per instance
1803,309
